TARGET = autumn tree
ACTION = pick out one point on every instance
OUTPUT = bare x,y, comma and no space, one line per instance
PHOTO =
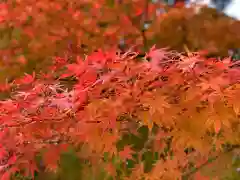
162,116
206,30
132,115
32,32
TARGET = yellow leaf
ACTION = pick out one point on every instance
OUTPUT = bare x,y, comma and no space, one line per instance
146,118
236,109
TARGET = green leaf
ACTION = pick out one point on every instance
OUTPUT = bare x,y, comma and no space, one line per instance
110,3
4,41
16,33
149,159
70,166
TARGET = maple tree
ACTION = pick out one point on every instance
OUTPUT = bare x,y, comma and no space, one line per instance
32,32
206,30
35,31
161,115
122,109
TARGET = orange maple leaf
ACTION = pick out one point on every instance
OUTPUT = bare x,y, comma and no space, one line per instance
217,125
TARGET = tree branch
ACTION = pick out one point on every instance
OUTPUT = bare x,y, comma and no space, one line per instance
186,175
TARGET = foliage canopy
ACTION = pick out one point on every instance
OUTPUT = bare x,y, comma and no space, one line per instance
178,109
128,115
32,32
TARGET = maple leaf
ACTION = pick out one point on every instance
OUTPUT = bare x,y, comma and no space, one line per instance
138,11
106,78
224,64
156,102
215,83
80,94
3,12
25,95
7,174
5,87
217,125
64,100
88,78
74,69
51,158
22,60
188,63
32,169
126,153
200,176
62,103
158,57
97,59
3,153
2,168
27,79
12,160
147,119
110,169
9,105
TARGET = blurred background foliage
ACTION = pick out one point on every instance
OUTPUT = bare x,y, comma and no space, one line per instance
28,44
208,29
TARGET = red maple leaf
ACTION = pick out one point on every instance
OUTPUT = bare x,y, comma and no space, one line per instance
7,174
27,79
126,153
3,12
158,57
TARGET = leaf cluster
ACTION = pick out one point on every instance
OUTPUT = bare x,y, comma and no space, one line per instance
161,116
31,33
